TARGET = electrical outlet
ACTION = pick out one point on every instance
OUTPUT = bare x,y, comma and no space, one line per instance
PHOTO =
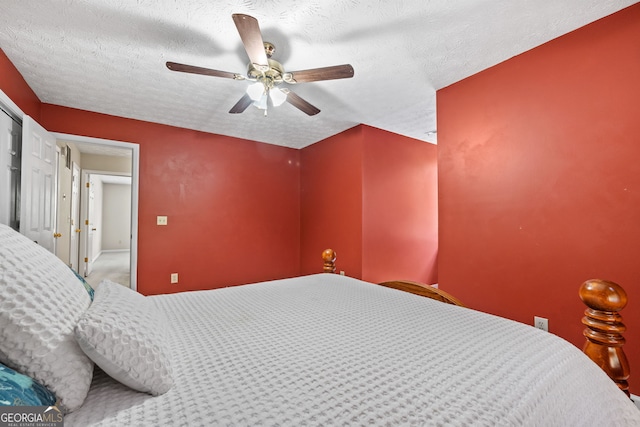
541,323
161,220
341,273
174,277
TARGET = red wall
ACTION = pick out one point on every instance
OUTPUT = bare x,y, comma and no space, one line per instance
400,215
539,183
15,87
371,195
331,202
233,205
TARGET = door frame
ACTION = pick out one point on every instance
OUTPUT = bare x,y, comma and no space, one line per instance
8,165
135,168
74,236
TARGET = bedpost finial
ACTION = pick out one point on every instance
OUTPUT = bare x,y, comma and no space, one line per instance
329,258
603,295
604,328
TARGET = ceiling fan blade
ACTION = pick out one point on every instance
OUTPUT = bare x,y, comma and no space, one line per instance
300,103
326,73
174,66
241,105
252,39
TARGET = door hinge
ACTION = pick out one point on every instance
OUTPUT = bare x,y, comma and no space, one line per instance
86,260
86,222
88,184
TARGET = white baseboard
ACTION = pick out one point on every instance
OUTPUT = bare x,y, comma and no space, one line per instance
636,400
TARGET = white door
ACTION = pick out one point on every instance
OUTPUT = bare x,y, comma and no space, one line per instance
60,234
74,227
38,184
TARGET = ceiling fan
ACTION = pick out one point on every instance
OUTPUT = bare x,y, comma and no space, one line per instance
267,73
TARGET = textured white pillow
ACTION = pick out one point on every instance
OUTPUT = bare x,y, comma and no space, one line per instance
41,301
123,333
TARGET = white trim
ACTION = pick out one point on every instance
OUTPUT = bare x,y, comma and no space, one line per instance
110,251
636,400
135,171
8,102
79,138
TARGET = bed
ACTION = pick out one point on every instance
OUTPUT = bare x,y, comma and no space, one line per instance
322,349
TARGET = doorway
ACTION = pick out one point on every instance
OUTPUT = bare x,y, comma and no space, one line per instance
112,161
106,204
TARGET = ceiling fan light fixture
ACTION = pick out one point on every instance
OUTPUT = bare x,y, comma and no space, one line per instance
262,102
256,91
278,97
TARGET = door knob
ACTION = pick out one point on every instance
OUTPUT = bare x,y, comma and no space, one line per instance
56,235
78,230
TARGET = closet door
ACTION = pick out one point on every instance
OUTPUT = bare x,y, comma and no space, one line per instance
10,134
38,184
5,168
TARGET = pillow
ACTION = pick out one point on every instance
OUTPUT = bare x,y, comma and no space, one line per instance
123,333
40,304
17,389
86,285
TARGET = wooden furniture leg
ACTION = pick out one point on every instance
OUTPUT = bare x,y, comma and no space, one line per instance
604,328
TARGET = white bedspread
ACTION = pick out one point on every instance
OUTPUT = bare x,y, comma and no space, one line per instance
330,350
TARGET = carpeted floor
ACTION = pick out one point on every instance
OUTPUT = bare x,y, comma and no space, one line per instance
113,266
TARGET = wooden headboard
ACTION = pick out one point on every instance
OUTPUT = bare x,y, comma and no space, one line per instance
604,327
423,290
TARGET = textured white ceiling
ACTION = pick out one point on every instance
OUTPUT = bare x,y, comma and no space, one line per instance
108,56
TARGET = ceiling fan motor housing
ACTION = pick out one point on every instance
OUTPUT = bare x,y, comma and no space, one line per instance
273,75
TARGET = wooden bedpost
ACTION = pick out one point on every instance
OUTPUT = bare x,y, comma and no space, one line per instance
329,258
604,328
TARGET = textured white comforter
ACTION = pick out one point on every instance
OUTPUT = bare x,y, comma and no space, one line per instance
330,350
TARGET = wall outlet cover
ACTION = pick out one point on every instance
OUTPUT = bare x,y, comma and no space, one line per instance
541,323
